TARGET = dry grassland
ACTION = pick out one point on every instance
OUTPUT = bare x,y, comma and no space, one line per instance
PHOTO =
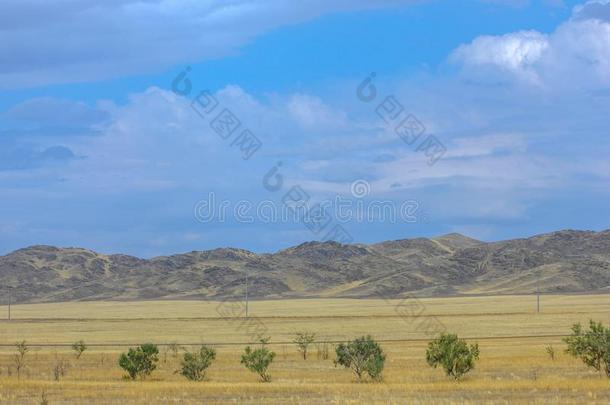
514,366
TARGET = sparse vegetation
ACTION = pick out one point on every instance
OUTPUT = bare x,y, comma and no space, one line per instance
259,360
60,368
362,356
79,348
452,354
141,361
516,369
19,357
591,346
303,340
550,350
194,365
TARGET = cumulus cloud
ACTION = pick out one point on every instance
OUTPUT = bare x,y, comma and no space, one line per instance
119,37
155,158
574,56
508,147
155,138
310,112
515,53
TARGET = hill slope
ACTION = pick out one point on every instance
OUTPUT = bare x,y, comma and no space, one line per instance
564,261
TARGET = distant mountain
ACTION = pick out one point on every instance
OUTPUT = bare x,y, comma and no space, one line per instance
453,264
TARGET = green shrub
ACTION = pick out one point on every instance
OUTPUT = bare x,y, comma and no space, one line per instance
19,357
258,360
303,340
452,354
194,365
362,356
79,348
141,361
592,346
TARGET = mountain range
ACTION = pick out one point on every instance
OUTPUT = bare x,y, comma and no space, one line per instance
453,264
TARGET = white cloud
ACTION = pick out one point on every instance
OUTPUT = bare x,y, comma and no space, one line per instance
157,142
81,40
574,56
516,52
311,112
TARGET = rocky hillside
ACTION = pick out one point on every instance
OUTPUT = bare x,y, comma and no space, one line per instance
564,261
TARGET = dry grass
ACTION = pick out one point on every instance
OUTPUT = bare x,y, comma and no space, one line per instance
511,370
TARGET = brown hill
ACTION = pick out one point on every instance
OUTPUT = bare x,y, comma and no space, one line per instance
564,261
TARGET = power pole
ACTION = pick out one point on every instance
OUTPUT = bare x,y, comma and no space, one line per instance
246,293
9,303
538,294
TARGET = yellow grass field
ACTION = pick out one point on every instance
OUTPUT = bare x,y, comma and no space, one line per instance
514,367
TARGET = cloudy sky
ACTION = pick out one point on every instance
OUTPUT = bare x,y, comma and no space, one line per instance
101,147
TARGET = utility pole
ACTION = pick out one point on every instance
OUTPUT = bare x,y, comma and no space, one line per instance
246,293
538,294
9,303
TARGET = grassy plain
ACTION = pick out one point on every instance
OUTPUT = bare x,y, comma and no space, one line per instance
514,366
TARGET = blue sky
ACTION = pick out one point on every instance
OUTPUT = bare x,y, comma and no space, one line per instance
98,151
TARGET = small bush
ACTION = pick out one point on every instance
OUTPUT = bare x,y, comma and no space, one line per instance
79,348
303,340
259,360
592,346
362,356
140,362
19,357
452,354
194,365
